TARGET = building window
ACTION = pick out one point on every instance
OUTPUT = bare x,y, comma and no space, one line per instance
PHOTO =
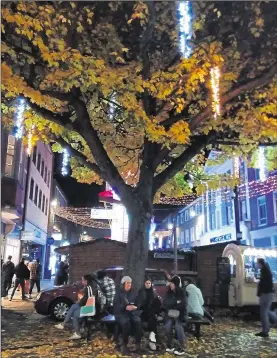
244,214
43,203
46,207
186,215
192,234
48,180
212,220
192,212
31,193
36,195
187,236
275,205
182,237
38,162
35,155
39,199
45,174
182,218
229,214
262,212
9,167
257,174
42,168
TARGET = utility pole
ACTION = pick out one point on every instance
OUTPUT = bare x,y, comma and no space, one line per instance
175,249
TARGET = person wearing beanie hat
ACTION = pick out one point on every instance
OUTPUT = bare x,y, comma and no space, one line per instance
150,305
175,300
127,314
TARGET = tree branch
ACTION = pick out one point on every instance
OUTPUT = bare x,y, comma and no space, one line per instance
196,121
179,163
82,159
234,143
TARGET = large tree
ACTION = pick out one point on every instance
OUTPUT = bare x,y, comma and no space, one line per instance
107,82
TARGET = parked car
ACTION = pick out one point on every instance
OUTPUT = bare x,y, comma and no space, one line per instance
56,301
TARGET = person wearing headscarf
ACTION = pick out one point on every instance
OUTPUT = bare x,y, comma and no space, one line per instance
127,314
150,305
175,302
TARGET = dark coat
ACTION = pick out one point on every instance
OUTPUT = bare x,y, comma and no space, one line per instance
176,300
148,300
22,271
8,271
265,284
122,300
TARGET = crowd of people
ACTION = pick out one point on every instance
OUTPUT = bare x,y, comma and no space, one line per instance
132,309
22,272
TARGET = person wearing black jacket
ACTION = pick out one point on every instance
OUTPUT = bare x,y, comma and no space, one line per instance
150,305
22,273
126,312
8,272
74,311
265,293
175,299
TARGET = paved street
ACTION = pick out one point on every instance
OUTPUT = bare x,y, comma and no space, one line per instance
27,334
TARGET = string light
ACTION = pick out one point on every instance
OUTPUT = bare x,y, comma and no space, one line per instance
215,76
65,162
19,116
185,22
30,137
261,163
112,106
236,165
80,216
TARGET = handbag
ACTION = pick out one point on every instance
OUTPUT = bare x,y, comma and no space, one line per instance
173,314
89,309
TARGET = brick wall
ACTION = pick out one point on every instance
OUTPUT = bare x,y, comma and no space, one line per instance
88,257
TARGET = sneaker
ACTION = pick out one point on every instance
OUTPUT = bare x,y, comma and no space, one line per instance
170,350
11,299
179,352
75,336
59,326
261,334
30,297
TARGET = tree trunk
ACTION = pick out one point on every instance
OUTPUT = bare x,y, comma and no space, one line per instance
138,244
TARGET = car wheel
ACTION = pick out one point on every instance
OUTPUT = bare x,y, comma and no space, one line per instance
59,309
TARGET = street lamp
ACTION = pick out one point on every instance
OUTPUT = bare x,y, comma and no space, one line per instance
54,203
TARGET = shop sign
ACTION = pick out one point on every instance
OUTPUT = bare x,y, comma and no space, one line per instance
27,235
222,238
166,255
101,214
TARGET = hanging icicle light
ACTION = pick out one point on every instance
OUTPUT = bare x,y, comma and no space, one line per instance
30,137
112,106
215,76
65,162
262,163
236,165
185,22
19,116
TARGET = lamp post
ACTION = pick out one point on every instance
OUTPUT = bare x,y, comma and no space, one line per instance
172,227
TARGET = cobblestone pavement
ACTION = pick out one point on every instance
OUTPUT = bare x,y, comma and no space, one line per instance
27,334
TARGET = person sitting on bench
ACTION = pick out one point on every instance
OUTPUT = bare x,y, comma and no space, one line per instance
175,305
126,313
74,310
195,300
150,305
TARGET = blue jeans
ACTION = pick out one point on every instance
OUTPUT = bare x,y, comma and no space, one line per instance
170,322
265,312
74,313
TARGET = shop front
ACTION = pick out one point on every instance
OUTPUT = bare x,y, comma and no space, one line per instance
11,245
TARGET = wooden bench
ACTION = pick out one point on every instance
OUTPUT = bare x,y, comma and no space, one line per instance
197,323
100,322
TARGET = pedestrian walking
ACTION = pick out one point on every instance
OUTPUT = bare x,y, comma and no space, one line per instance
35,276
22,273
265,293
7,272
